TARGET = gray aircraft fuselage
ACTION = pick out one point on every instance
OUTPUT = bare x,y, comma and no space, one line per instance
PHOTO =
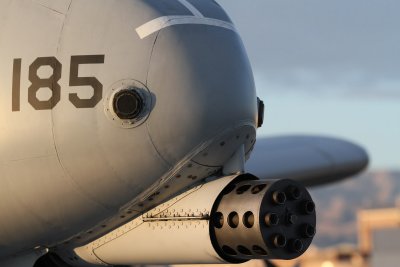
70,168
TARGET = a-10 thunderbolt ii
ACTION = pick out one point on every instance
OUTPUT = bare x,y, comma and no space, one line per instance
125,125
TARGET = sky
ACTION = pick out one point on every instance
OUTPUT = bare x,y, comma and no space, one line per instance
327,68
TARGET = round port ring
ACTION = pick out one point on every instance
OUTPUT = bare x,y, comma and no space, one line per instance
128,104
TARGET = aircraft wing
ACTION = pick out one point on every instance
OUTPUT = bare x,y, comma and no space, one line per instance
312,160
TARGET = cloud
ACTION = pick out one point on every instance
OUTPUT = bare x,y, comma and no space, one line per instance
312,44
353,85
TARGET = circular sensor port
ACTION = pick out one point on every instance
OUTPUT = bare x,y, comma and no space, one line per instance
128,104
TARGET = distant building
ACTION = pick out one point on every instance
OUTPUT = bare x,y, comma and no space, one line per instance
338,256
379,236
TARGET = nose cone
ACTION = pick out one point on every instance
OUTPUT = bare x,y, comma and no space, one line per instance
203,85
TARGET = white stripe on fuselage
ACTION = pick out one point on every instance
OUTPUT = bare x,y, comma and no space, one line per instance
160,23
191,8
163,22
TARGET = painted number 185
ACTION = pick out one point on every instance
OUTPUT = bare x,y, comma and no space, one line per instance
52,83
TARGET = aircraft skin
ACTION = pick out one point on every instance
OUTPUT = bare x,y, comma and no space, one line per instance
72,168
65,166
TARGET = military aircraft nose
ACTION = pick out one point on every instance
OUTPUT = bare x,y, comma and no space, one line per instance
203,85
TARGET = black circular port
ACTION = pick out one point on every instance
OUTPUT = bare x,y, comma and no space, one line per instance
242,189
229,250
248,219
244,250
279,197
258,188
296,245
309,231
292,218
294,192
233,219
218,220
279,241
259,250
128,104
271,219
309,207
